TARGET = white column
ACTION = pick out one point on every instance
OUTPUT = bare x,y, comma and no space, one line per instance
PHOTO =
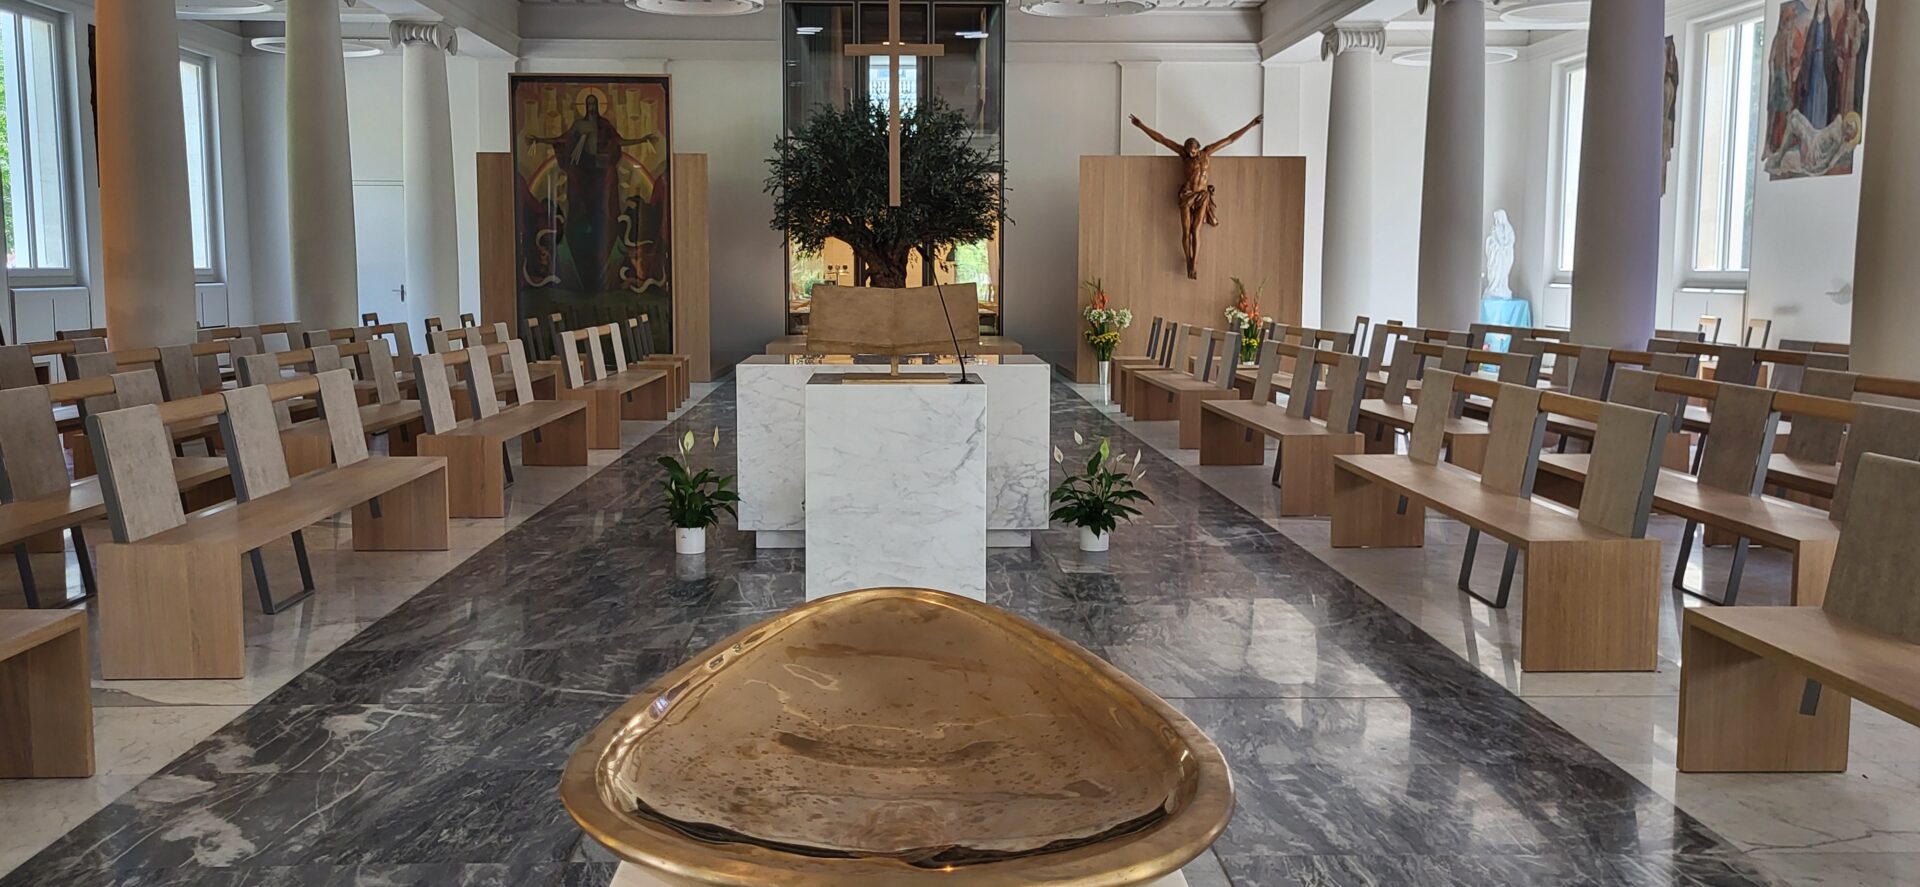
1346,248
1886,311
1616,251
146,226
433,237
1453,191
325,268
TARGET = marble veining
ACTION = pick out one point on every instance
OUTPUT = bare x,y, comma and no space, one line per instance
427,749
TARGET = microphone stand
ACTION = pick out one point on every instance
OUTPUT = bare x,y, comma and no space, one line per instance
941,293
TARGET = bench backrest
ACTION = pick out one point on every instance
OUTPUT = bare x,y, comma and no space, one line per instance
1182,346
1377,342
1515,428
136,388
570,371
255,455
534,330
134,455
1874,565
618,344
1636,388
379,366
1406,365
1346,386
340,407
481,395
1737,366
596,355
436,396
32,462
16,367
1888,431
1519,368
1814,438
263,369
1263,375
1759,330
1229,362
1628,443
1739,439
1306,382
517,367
1153,335
1592,370
1165,355
326,358
1428,436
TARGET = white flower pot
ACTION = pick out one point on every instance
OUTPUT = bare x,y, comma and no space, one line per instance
690,540
1091,541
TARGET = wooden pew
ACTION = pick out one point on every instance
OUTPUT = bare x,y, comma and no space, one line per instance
634,394
1465,438
1592,576
170,588
1174,394
1115,393
1174,337
46,695
639,332
1771,689
1235,432
552,432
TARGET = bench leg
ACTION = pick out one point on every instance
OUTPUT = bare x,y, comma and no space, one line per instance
1592,606
1812,562
1380,437
84,559
562,442
1741,713
1499,601
476,480
21,558
170,612
1734,571
264,587
1226,442
404,440
1307,461
1369,515
47,694
412,518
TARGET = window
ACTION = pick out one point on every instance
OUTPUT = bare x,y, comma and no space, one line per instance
1729,138
1573,112
196,95
34,183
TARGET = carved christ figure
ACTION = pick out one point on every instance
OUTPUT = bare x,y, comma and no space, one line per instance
1196,195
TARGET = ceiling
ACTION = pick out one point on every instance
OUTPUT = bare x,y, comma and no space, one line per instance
1164,4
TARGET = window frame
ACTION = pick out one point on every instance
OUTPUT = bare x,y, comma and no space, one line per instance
1693,98
67,152
1558,226
210,138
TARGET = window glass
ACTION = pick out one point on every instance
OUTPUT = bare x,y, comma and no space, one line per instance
194,96
1573,107
33,176
1730,81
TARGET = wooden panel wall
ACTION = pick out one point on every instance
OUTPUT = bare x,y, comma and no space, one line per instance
692,265
499,298
1130,238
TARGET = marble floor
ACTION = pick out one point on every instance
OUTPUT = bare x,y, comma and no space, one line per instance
408,727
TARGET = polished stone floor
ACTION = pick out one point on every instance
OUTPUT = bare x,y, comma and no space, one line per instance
417,739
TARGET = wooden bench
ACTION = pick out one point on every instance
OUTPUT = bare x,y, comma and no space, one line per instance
1146,358
46,695
639,347
634,394
1807,465
1159,396
170,587
1381,419
1235,432
551,432
1160,348
1593,594
1771,689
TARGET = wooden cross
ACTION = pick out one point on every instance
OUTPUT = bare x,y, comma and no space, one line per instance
894,49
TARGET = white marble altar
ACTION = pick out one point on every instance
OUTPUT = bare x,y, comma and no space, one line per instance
771,433
896,486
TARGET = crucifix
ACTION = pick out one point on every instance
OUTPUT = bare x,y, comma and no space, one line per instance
894,49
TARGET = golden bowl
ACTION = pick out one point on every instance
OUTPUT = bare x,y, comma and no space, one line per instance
898,737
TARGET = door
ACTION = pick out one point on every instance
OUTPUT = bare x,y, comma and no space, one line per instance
380,241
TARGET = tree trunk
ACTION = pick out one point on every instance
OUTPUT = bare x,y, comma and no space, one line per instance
885,267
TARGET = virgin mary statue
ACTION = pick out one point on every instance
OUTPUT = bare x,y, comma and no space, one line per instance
1499,257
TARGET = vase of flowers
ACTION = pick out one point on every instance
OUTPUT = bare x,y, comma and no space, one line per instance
1103,327
1099,498
1246,311
694,500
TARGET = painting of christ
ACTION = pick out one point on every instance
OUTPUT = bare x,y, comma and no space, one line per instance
1816,88
592,164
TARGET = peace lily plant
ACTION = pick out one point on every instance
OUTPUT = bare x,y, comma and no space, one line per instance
694,501
1099,498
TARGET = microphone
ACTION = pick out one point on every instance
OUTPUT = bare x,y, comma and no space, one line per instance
941,293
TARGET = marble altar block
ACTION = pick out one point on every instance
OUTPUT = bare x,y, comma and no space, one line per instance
896,486
771,434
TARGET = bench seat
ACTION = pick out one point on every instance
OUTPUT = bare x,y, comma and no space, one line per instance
632,394
1466,438
46,695
552,432
1178,397
308,447
83,502
1234,432
1808,476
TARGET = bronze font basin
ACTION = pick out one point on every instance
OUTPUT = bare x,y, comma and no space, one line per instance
898,737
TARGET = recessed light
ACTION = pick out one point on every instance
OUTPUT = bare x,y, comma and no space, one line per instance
1086,8
971,35
698,7
1421,58
1550,13
353,49
808,30
220,8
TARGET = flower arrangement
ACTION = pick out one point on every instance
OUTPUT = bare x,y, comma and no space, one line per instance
1103,324
1246,310
1097,499
695,501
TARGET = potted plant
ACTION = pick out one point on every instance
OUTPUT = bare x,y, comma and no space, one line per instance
1103,327
1098,499
1246,311
694,501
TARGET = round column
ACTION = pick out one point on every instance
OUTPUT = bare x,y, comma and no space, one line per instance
146,219
1886,311
325,267
1616,251
1453,190
1346,259
433,246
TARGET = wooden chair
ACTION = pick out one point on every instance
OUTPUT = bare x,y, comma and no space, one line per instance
1592,577
479,466
634,394
1771,689
46,713
1235,432
170,587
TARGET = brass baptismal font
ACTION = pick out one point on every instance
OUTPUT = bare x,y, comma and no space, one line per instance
898,737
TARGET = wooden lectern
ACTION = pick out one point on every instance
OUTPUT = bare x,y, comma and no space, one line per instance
894,323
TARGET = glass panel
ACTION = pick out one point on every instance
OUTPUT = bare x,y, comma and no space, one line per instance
1715,139
968,76
14,170
193,95
48,189
816,63
1745,158
1575,107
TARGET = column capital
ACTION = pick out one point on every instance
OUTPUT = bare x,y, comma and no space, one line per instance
1368,37
438,35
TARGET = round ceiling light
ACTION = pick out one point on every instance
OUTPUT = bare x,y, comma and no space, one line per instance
1549,14
353,49
1086,8
698,7
220,8
1421,58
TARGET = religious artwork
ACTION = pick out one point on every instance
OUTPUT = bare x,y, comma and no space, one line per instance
1669,122
1196,194
592,160
1816,88
1499,271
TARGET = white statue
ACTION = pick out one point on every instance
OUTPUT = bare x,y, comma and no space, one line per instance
1499,257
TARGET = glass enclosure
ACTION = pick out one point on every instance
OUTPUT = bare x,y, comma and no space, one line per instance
818,72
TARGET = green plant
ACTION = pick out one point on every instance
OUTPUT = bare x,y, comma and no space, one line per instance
1103,324
1103,495
829,180
695,501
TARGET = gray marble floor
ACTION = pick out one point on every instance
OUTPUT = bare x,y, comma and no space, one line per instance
426,748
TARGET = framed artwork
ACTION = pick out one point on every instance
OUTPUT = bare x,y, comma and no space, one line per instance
1670,118
592,159
1816,88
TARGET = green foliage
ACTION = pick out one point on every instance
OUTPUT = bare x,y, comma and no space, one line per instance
695,501
829,180
1100,497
